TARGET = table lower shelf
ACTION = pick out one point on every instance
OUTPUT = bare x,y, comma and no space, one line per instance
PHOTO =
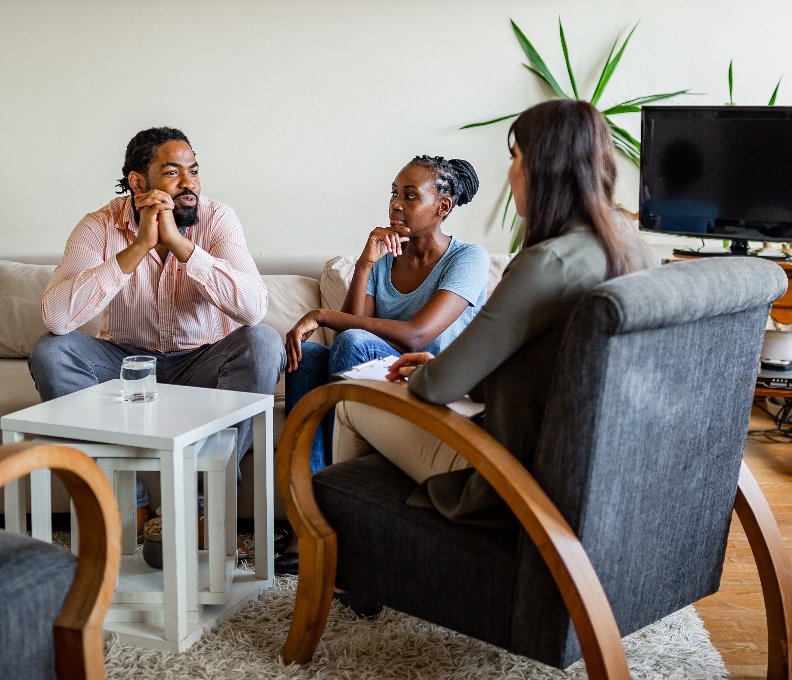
244,588
140,584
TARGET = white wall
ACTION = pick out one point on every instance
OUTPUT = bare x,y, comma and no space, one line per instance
302,112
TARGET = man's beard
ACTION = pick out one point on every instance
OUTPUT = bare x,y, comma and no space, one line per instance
186,217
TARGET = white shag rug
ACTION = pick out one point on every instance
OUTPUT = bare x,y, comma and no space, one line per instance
394,645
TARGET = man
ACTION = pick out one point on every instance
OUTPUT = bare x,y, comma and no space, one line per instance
170,274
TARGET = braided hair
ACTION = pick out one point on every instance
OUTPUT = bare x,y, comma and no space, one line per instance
141,149
454,178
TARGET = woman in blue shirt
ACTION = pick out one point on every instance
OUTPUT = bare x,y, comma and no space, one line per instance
414,288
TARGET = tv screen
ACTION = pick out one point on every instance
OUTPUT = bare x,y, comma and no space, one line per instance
718,171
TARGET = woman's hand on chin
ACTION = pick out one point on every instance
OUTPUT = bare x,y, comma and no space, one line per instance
384,240
401,369
302,330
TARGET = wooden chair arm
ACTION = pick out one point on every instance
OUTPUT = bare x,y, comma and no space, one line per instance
775,571
561,550
79,649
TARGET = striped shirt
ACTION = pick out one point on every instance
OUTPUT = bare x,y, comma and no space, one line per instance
162,307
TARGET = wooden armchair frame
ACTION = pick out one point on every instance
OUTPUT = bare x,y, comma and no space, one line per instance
561,550
79,647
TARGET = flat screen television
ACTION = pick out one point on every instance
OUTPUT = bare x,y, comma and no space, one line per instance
717,171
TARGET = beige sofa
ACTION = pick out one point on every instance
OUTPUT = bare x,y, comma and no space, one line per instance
297,283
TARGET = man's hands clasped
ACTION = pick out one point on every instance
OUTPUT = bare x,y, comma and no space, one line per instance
157,226
156,229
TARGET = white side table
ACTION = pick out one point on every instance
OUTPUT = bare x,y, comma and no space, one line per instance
165,433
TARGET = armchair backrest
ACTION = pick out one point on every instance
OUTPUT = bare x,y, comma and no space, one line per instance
642,439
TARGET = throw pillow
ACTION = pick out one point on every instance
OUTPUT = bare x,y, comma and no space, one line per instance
290,297
21,288
336,277
497,265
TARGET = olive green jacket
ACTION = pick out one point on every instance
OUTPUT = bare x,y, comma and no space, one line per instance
508,355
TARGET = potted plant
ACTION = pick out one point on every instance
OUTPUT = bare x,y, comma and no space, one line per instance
622,139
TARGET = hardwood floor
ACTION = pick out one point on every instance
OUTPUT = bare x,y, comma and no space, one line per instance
734,615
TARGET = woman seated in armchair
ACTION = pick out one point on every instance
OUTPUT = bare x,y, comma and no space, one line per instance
414,288
562,176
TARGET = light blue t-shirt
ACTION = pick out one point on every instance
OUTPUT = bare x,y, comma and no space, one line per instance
463,269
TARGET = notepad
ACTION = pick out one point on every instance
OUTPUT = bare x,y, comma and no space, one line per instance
377,369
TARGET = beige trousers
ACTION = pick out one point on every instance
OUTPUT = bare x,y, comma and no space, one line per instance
361,429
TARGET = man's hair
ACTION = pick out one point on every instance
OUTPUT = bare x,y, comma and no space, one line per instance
141,149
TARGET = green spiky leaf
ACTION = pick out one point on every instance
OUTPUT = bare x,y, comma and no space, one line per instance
649,98
540,68
634,105
622,108
519,233
622,139
540,75
626,136
625,142
775,93
489,122
731,83
506,209
626,146
610,67
566,59
628,151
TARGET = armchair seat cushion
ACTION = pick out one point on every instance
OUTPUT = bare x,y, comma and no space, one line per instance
34,580
415,560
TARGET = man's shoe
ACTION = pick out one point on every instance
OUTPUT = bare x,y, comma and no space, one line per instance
362,606
287,564
283,542
141,518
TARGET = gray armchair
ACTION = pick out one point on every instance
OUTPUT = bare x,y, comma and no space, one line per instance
52,604
624,513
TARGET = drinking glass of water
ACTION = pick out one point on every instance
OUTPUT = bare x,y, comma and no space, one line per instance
139,378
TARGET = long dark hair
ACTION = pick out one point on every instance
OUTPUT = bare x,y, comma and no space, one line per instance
570,174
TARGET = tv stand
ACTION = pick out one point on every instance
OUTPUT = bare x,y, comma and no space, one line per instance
738,247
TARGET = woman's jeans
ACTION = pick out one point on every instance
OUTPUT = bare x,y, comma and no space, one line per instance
318,363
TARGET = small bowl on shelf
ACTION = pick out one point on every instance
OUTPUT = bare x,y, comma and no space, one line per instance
152,542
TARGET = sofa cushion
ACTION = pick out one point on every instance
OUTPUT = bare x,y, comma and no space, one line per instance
290,297
17,390
336,277
21,288
497,265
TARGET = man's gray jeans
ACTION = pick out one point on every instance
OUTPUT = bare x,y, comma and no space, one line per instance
250,359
